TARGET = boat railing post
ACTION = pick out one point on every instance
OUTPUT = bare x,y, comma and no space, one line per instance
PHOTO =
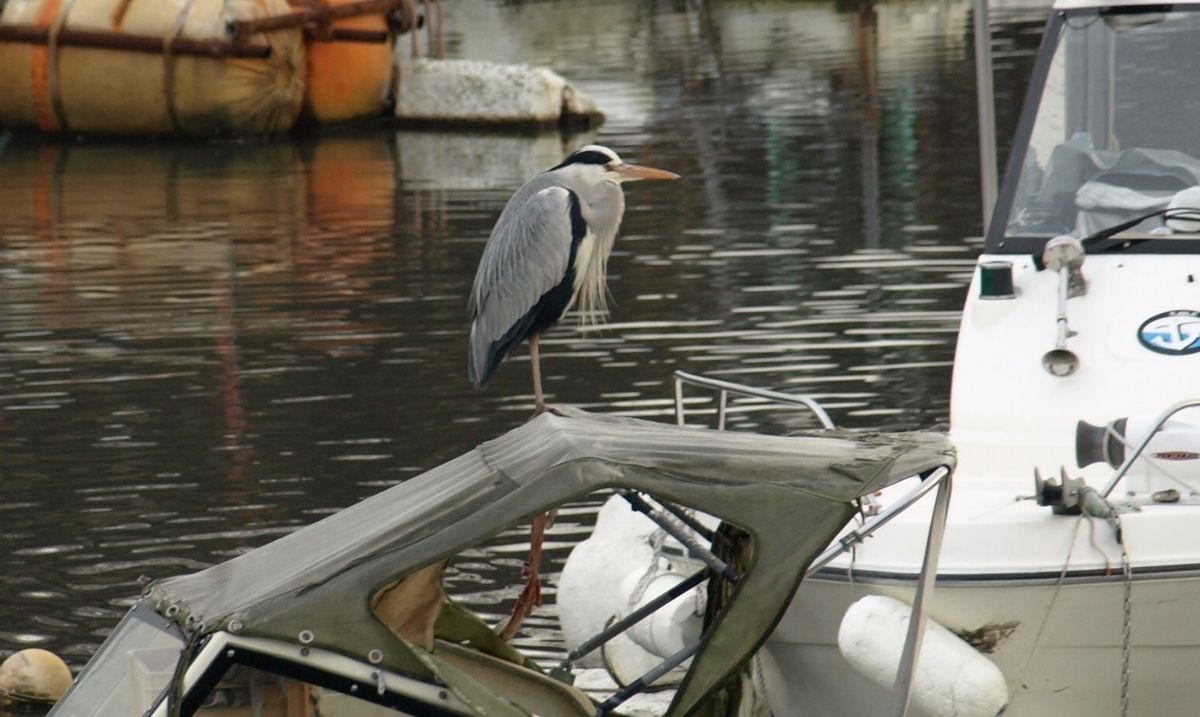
726,387
907,669
678,400
985,100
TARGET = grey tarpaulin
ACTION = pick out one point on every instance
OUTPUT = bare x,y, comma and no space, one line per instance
792,494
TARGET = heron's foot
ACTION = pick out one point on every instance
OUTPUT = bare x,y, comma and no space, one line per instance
540,408
529,599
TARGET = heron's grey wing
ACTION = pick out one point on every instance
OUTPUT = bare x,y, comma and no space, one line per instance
525,257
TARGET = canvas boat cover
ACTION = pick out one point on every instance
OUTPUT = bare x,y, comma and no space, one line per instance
792,494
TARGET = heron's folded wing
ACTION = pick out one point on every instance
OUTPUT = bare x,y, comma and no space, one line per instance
525,257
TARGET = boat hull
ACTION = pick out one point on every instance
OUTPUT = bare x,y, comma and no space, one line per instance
1057,642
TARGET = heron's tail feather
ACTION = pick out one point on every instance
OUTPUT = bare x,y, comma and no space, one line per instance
479,365
486,356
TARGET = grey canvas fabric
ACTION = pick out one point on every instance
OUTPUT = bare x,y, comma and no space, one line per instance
792,494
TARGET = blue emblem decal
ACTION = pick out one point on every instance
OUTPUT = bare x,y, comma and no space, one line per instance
1175,333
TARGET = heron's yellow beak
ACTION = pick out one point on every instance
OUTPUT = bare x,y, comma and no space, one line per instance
634,172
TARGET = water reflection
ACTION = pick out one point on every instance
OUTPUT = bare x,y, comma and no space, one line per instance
479,160
203,346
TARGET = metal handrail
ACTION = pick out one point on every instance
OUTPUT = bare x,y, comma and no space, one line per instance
724,388
848,541
906,673
1156,427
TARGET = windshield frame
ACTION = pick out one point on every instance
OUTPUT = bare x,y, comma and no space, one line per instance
996,240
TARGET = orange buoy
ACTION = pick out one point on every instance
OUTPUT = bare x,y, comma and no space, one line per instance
349,80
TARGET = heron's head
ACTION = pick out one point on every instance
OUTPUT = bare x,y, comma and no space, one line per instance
600,164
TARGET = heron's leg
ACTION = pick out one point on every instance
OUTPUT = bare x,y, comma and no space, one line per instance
531,594
539,402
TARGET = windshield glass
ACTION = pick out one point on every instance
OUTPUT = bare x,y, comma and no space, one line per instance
129,672
1115,134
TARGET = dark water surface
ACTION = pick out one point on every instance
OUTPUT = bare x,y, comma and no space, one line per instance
206,345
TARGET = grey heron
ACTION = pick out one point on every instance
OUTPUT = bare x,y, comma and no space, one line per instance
547,253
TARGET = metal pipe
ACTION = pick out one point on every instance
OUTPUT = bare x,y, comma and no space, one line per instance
985,101
1063,331
647,679
688,520
632,618
717,384
1065,256
907,670
1061,361
858,535
317,15
679,531
37,35
1156,426
678,400
722,402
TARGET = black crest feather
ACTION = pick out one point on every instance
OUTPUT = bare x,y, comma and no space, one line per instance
589,156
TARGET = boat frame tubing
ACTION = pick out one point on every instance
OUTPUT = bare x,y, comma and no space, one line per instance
620,626
844,544
679,531
726,387
907,671
312,16
37,35
941,479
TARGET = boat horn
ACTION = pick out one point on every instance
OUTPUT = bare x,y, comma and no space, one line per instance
1064,255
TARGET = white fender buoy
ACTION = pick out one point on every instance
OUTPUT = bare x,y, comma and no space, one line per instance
35,675
589,586
1185,199
671,628
953,679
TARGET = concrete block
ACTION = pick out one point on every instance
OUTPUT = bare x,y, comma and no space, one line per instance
475,92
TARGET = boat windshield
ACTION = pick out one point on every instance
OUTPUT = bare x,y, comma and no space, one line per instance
1114,134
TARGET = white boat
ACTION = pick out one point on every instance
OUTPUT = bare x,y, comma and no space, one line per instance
1078,361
